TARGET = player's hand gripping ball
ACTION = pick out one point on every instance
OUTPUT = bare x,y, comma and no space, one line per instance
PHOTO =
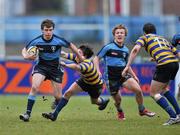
33,50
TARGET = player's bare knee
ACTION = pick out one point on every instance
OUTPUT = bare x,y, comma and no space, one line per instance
34,88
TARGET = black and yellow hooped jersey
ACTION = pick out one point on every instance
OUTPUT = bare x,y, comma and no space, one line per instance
88,70
72,57
159,48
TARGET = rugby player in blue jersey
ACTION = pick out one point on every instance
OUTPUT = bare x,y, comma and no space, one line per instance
176,41
89,82
115,56
48,63
166,57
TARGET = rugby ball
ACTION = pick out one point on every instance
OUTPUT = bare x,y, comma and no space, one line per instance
33,50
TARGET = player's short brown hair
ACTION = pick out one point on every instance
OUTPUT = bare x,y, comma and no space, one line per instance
87,51
149,28
48,23
119,26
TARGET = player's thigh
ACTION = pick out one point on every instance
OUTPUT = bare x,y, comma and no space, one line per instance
131,84
157,87
57,87
37,79
72,90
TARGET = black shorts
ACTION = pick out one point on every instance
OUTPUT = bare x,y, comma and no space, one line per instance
114,84
49,72
93,90
165,73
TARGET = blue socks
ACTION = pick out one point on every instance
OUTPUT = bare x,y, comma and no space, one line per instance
31,101
173,101
59,107
164,104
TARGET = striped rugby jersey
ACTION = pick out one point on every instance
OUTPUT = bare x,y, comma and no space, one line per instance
158,48
88,70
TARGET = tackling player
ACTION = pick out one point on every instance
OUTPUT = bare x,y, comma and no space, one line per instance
89,82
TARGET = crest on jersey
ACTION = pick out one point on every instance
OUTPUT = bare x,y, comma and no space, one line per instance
124,55
53,48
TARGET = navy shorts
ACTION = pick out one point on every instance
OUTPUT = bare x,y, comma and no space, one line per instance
93,90
114,84
165,73
49,72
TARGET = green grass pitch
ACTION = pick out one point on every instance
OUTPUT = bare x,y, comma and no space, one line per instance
79,117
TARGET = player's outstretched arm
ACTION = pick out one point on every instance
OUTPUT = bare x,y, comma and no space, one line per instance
75,50
133,74
132,56
72,66
96,63
64,54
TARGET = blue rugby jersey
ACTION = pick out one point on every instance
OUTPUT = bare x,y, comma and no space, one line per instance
115,59
49,50
176,41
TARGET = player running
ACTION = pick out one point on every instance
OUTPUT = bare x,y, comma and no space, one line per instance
115,56
47,66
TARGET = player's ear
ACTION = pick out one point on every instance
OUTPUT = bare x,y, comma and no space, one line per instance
80,52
